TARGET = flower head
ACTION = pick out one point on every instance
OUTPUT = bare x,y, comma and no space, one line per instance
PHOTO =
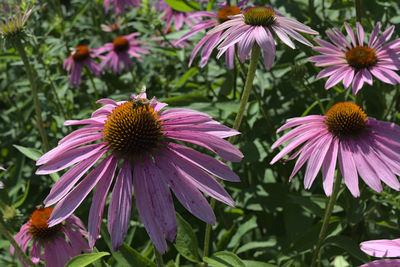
13,21
209,41
256,24
355,62
119,52
363,145
120,5
61,242
80,56
143,138
178,17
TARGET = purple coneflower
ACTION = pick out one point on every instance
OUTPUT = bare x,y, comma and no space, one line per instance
363,145
172,15
119,52
13,20
353,62
382,249
210,40
80,56
57,250
256,24
119,6
143,138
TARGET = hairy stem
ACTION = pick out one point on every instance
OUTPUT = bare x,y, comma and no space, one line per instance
32,80
7,235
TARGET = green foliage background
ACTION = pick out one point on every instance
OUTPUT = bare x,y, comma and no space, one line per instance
274,223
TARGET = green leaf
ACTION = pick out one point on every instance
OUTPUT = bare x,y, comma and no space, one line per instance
186,241
257,244
190,73
85,259
242,230
134,258
258,264
31,153
348,245
183,5
224,259
186,99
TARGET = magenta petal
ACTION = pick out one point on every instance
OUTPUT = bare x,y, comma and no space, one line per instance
290,123
329,166
70,178
382,248
219,146
186,192
382,263
348,168
69,158
98,201
70,202
145,208
119,210
161,200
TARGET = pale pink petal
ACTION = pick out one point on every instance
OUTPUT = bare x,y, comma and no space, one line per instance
329,166
290,123
381,248
348,168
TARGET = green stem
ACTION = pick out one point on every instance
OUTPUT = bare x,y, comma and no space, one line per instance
7,235
20,48
327,216
255,54
159,259
394,99
96,94
358,5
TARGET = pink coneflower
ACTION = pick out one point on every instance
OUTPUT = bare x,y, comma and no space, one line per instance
382,249
119,6
257,24
80,56
143,138
178,17
210,40
353,62
111,27
57,250
363,145
119,52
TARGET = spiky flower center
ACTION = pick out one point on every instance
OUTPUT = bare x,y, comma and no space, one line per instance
361,57
38,224
227,11
121,44
345,119
133,128
259,16
80,53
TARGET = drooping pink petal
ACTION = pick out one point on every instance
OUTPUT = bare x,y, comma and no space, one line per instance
329,166
119,210
348,168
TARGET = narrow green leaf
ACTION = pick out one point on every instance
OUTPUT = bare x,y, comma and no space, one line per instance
348,245
85,259
133,257
257,245
242,230
224,259
186,241
190,73
31,153
258,264
183,5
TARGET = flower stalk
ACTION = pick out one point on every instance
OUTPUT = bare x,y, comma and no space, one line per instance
255,54
327,216
358,5
159,259
7,235
32,80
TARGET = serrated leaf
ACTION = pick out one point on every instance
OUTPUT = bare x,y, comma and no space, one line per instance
186,241
85,259
31,153
184,6
224,259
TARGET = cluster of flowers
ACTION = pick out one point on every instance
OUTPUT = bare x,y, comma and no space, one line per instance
143,137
